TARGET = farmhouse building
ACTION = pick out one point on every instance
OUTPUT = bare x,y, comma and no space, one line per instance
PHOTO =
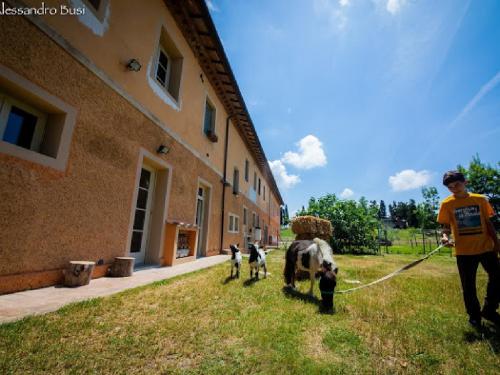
122,133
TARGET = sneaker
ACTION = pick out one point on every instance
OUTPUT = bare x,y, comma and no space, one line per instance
492,316
475,322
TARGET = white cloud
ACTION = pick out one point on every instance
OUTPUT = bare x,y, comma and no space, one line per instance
347,193
344,3
283,179
211,6
394,6
409,179
310,155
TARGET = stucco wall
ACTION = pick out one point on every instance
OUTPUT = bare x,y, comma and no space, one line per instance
134,32
50,217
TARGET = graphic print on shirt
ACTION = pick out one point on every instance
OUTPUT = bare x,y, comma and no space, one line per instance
468,220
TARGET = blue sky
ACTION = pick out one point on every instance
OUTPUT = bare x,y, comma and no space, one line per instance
373,98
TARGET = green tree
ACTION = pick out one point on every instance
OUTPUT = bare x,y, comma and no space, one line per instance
354,224
484,179
427,210
412,214
382,213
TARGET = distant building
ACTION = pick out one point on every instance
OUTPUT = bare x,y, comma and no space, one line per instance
395,224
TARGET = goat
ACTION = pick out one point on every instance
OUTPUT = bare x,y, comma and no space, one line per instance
257,259
235,260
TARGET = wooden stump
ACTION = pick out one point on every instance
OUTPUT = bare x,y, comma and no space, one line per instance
78,273
122,267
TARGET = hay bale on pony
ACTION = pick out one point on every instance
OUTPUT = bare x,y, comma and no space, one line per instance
309,227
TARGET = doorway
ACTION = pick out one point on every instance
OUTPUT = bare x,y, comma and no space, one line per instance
142,216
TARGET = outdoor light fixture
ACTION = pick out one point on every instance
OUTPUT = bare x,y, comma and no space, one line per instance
163,150
134,65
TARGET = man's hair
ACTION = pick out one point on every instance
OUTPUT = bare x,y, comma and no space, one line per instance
453,176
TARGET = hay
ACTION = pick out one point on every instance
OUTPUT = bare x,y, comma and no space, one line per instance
309,227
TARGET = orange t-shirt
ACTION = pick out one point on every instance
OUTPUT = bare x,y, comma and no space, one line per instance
468,219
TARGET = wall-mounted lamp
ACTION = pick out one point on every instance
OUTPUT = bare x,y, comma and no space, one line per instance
163,150
134,65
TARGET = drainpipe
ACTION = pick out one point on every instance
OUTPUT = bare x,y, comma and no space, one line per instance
224,180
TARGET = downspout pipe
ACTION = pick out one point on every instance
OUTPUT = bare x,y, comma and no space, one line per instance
224,181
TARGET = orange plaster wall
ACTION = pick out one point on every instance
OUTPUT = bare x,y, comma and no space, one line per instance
134,32
50,217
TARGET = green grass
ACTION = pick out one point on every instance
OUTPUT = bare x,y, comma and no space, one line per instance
287,233
203,323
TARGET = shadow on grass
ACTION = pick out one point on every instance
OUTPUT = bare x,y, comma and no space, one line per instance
251,281
488,333
229,279
295,294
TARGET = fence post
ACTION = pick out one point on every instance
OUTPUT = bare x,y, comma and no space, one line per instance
423,239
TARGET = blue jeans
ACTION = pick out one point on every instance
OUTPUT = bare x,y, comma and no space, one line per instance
467,268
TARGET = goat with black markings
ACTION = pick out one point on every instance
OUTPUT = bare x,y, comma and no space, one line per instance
257,259
235,260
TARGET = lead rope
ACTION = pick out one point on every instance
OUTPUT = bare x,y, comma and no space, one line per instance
392,274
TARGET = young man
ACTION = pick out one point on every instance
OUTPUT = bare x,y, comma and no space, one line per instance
467,216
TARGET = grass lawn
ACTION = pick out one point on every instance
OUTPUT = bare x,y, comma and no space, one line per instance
204,323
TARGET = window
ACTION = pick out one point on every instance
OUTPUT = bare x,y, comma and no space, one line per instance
247,167
236,181
259,186
255,181
168,68
264,192
254,219
34,125
163,68
209,121
234,223
245,213
94,3
21,124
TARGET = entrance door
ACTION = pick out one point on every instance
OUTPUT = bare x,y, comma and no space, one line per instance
200,219
140,231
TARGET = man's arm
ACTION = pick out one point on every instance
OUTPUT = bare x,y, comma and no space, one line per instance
493,234
445,235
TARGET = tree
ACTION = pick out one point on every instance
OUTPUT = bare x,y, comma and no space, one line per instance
392,213
484,179
427,210
412,214
382,213
354,224
286,218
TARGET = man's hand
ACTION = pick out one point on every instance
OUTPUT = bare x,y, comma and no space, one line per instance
445,236
445,240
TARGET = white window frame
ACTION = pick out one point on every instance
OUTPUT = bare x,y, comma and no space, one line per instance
6,104
236,181
210,104
245,215
233,223
168,70
63,115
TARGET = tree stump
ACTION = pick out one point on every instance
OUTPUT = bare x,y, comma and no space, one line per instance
122,267
78,273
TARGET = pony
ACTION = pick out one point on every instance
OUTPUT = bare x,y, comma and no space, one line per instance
235,260
309,256
257,259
